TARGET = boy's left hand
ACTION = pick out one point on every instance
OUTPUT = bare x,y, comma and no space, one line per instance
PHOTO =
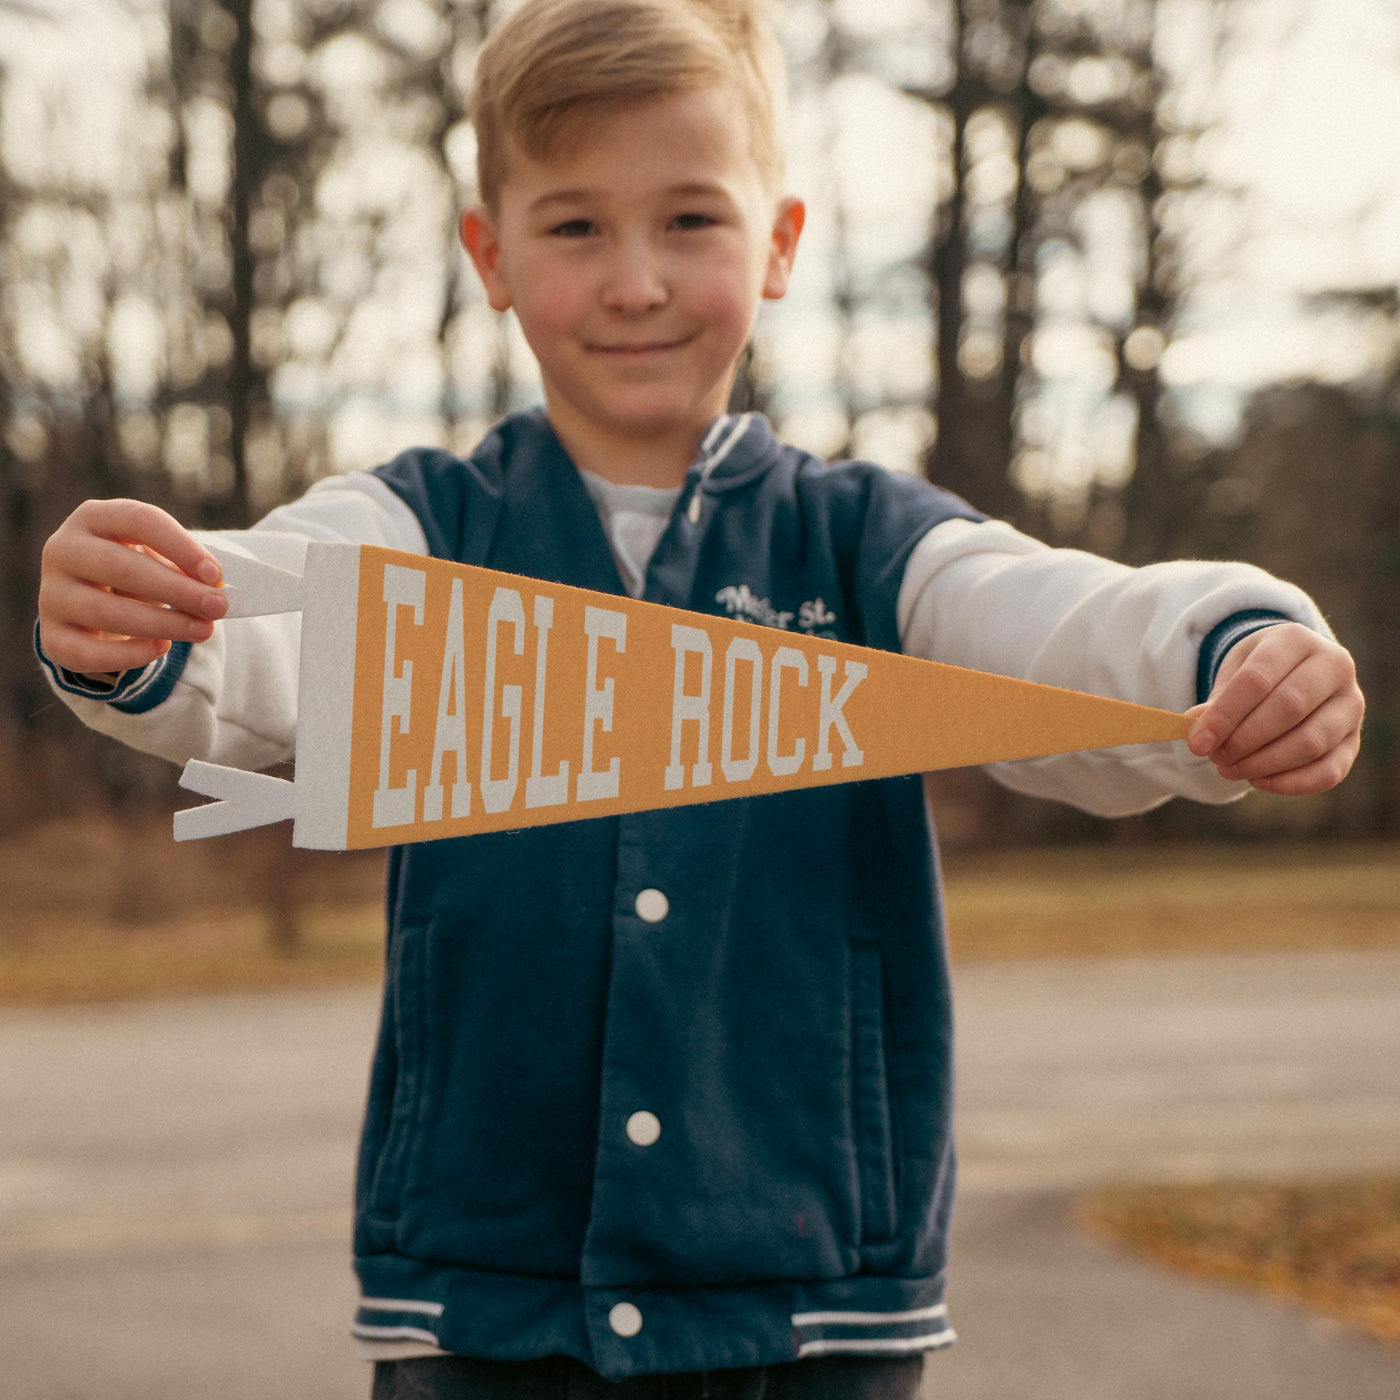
1285,713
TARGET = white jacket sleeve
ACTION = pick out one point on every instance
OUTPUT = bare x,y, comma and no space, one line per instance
233,698
986,596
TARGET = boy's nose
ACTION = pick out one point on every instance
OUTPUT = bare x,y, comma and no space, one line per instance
635,282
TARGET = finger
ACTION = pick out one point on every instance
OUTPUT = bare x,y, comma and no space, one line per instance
153,554
74,649
1297,696
137,522
1316,777
135,574
104,612
72,603
1241,692
1326,728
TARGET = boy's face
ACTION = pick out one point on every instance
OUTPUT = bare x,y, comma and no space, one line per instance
635,259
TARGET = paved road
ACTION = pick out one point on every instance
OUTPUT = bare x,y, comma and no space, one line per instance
173,1179
1073,1072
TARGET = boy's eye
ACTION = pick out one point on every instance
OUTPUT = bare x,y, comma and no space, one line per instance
694,220
573,228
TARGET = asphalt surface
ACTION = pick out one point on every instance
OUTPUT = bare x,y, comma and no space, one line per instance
173,1180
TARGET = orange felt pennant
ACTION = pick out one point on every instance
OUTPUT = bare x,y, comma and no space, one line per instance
439,699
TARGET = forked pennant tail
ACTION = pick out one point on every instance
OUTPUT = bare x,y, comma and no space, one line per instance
245,800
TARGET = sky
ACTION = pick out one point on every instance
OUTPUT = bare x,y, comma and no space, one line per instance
1308,105
1303,112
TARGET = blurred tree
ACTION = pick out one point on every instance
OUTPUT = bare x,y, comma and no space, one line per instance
835,56
209,76
250,136
266,285
1088,282
42,463
16,510
1049,275
978,270
1053,286
1311,491
436,78
1097,152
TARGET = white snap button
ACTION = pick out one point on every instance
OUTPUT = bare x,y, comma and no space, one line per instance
625,1319
652,906
644,1128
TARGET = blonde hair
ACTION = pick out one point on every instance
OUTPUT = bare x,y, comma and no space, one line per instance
552,59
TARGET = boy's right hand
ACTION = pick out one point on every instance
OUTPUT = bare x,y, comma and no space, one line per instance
120,581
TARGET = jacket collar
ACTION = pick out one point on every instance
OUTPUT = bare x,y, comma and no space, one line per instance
736,448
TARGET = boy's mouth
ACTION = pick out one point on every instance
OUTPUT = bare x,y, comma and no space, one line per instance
637,349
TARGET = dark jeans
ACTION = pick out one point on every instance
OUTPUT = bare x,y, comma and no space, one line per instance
562,1378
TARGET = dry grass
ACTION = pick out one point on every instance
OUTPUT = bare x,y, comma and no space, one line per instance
91,910
215,951
1096,901
97,910
1331,1247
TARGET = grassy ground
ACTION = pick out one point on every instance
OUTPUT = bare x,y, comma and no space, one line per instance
1333,1247
93,911
211,951
1108,901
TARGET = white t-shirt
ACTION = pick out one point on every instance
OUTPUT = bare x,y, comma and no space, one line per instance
635,518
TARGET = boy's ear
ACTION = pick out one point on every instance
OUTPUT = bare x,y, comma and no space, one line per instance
482,242
787,229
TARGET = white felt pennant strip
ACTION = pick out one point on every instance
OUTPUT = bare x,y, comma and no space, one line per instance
245,800
327,597
255,589
325,694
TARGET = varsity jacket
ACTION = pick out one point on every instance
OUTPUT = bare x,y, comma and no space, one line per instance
673,1090
669,1091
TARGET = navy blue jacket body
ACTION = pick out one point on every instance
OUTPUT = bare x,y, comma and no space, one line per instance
785,1017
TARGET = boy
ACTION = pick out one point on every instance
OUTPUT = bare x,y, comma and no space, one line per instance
668,1096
